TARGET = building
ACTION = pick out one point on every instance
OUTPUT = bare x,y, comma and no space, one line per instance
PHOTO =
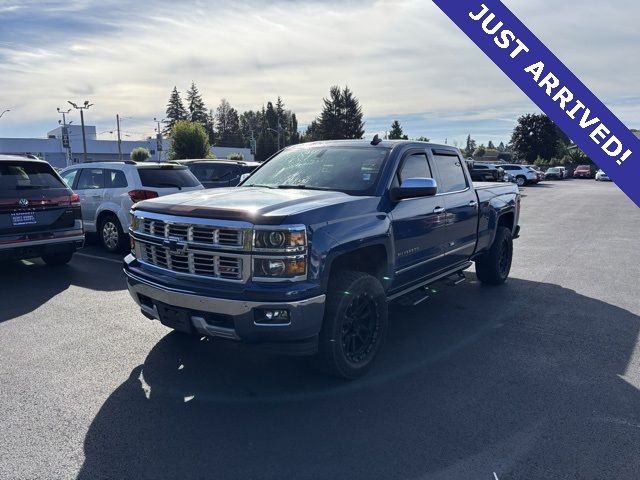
52,148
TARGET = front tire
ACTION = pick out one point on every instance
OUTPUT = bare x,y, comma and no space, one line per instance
494,266
111,234
354,326
57,259
521,181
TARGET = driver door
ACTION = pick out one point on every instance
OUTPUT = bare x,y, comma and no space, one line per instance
418,224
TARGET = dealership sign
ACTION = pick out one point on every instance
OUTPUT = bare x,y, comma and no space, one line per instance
552,86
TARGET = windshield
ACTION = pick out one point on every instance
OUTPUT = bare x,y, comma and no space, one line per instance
353,170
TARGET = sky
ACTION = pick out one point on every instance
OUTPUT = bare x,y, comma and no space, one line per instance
403,59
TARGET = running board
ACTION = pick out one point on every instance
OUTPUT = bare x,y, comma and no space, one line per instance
456,272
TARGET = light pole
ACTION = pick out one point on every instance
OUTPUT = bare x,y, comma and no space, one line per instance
65,134
82,109
1,114
159,136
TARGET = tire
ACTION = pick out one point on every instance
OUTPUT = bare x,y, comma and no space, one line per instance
111,234
355,300
57,259
521,181
494,266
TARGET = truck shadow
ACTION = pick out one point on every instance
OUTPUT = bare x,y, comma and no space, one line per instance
524,380
28,285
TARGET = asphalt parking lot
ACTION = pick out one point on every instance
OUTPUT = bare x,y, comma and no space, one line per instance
538,378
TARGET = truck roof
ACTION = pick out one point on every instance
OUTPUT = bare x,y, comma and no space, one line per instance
381,144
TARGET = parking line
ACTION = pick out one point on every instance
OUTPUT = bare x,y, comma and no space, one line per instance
96,257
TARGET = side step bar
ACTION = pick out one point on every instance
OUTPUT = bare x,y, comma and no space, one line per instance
455,276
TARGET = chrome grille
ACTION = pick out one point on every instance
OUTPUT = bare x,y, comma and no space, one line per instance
205,234
208,264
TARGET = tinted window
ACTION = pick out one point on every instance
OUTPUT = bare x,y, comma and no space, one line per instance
167,177
69,177
27,175
115,179
217,172
510,167
90,179
348,169
450,173
480,167
415,166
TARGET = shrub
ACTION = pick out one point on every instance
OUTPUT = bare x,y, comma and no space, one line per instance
236,156
140,154
189,140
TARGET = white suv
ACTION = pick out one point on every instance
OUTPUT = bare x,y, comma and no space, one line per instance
107,191
522,173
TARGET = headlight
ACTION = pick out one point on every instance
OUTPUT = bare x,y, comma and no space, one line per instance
279,268
290,240
133,221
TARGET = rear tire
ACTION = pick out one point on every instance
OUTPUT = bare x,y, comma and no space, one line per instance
494,266
57,259
111,234
355,323
521,181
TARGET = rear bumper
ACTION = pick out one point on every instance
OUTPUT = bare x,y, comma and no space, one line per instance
232,319
19,249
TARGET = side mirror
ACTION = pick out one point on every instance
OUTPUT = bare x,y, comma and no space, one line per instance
244,176
414,188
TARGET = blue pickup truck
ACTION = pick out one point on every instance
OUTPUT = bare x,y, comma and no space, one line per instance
304,256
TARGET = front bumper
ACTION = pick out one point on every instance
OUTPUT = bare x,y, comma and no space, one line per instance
233,319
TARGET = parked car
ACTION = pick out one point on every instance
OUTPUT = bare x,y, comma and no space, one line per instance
602,177
108,190
564,171
553,173
219,173
485,172
522,173
583,171
539,173
305,255
39,215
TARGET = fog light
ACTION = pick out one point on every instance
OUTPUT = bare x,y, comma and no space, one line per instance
272,316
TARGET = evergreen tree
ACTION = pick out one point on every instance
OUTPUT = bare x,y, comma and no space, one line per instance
470,147
396,132
175,111
341,116
312,133
209,127
197,110
480,151
491,146
294,135
501,147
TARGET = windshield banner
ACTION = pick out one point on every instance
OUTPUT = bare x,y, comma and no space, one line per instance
552,86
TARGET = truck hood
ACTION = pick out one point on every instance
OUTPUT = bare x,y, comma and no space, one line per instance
252,204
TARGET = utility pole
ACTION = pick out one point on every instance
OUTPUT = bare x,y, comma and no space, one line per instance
82,109
119,139
65,135
158,137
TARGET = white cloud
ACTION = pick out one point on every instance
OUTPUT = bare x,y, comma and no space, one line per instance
402,59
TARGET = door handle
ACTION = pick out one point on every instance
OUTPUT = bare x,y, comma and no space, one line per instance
473,203
438,210
96,196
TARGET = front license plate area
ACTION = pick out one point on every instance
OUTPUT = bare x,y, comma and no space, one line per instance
19,219
174,317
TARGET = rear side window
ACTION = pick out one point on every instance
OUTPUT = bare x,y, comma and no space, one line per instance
90,179
450,173
69,177
167,177
115,179
415,166
27,176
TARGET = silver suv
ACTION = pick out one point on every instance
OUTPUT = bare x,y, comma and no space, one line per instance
107,191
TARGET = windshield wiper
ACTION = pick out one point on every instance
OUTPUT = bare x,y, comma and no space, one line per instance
258,185
27,187
303,187
175,185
